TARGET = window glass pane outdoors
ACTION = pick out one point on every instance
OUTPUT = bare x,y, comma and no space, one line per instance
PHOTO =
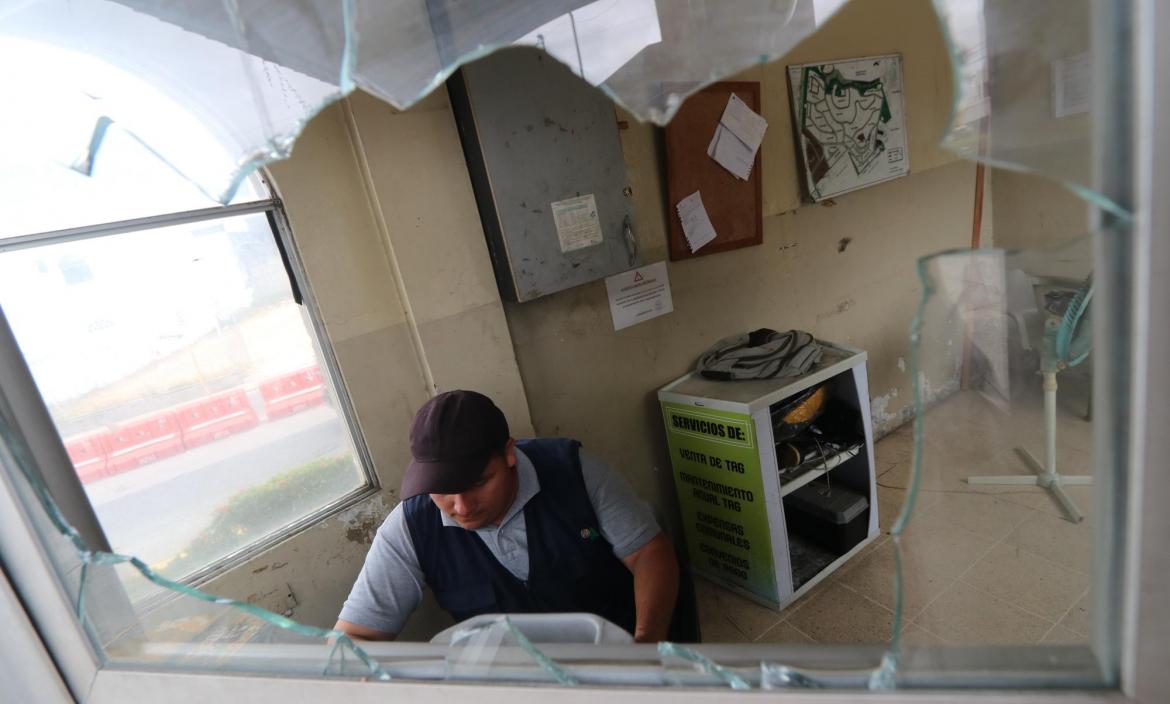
185,383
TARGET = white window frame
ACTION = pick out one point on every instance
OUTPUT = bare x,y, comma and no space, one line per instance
62,480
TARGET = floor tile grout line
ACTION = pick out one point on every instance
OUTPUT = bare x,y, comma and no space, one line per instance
959,578
1047,633
784,622
929,632
1000,599
1048,560
800,631
748,639
1045,514
731,623
1064,615
996,543
1014,526
928,604
881,606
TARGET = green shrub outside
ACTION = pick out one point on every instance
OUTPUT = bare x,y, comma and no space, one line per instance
254,512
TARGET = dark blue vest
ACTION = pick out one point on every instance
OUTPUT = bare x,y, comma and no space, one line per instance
571,566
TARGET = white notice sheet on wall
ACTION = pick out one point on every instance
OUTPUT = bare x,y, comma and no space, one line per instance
638,295
577,223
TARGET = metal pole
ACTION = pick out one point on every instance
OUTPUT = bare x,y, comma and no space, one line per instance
19,391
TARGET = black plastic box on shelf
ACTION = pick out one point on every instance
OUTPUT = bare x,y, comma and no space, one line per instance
834,517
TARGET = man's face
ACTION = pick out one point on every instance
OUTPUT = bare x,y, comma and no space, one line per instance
489,499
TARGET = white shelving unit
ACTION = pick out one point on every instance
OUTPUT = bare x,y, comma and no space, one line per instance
731,497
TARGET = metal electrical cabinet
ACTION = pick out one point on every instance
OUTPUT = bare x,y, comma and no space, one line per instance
545,160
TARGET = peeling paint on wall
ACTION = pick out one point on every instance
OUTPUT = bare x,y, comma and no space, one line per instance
879,410
901,364
362,521
841,308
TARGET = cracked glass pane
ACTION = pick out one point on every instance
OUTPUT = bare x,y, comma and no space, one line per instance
997,547
1023,94
1001,343
170,624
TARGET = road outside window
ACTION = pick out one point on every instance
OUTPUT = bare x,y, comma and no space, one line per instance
186,384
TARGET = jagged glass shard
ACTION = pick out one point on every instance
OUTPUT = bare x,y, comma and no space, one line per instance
1023,88
214,89
497,650
775,676
673,653
170,625
217,89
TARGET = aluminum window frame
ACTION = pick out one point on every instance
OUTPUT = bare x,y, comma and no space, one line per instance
70,494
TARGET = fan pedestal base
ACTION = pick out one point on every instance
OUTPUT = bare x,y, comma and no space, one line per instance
1053,482
1046,475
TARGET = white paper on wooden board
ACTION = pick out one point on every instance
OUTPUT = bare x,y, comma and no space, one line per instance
731,153
744,122
638,295
577,223
696,224
737,138
1070,85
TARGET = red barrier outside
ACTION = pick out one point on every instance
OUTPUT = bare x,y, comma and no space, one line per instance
146,439
215,417
293,393
143,441
89,456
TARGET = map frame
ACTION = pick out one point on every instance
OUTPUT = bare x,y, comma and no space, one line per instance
878,150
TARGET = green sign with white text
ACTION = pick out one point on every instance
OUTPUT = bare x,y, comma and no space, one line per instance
721,495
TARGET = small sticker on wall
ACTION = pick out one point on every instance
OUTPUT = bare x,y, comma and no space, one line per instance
578,225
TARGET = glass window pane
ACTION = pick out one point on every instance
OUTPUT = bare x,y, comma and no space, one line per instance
186,384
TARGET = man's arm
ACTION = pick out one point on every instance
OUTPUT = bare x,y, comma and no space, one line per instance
358,632
628,524
389,586
655,571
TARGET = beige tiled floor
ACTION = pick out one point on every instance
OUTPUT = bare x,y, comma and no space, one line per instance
982,565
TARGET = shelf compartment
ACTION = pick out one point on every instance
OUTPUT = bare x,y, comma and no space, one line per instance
817,468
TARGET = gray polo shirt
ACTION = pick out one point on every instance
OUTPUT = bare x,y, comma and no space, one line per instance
391,582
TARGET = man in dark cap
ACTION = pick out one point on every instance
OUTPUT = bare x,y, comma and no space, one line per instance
497,525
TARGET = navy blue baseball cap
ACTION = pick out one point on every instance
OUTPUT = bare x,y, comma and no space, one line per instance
451,440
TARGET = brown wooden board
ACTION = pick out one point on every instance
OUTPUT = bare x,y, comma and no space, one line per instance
734,206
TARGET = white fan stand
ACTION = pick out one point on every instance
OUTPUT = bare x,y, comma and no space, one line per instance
1046,475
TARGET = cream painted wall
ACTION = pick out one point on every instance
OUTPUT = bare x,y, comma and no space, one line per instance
384,218
1035,212
585,380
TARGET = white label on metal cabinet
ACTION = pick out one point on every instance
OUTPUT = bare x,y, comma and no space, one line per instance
577,223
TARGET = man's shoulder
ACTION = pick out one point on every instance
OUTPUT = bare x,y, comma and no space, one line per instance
547,441
413,510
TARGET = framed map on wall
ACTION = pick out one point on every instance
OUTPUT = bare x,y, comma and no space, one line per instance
850,122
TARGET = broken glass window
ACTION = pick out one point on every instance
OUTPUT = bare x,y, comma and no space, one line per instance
216,90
